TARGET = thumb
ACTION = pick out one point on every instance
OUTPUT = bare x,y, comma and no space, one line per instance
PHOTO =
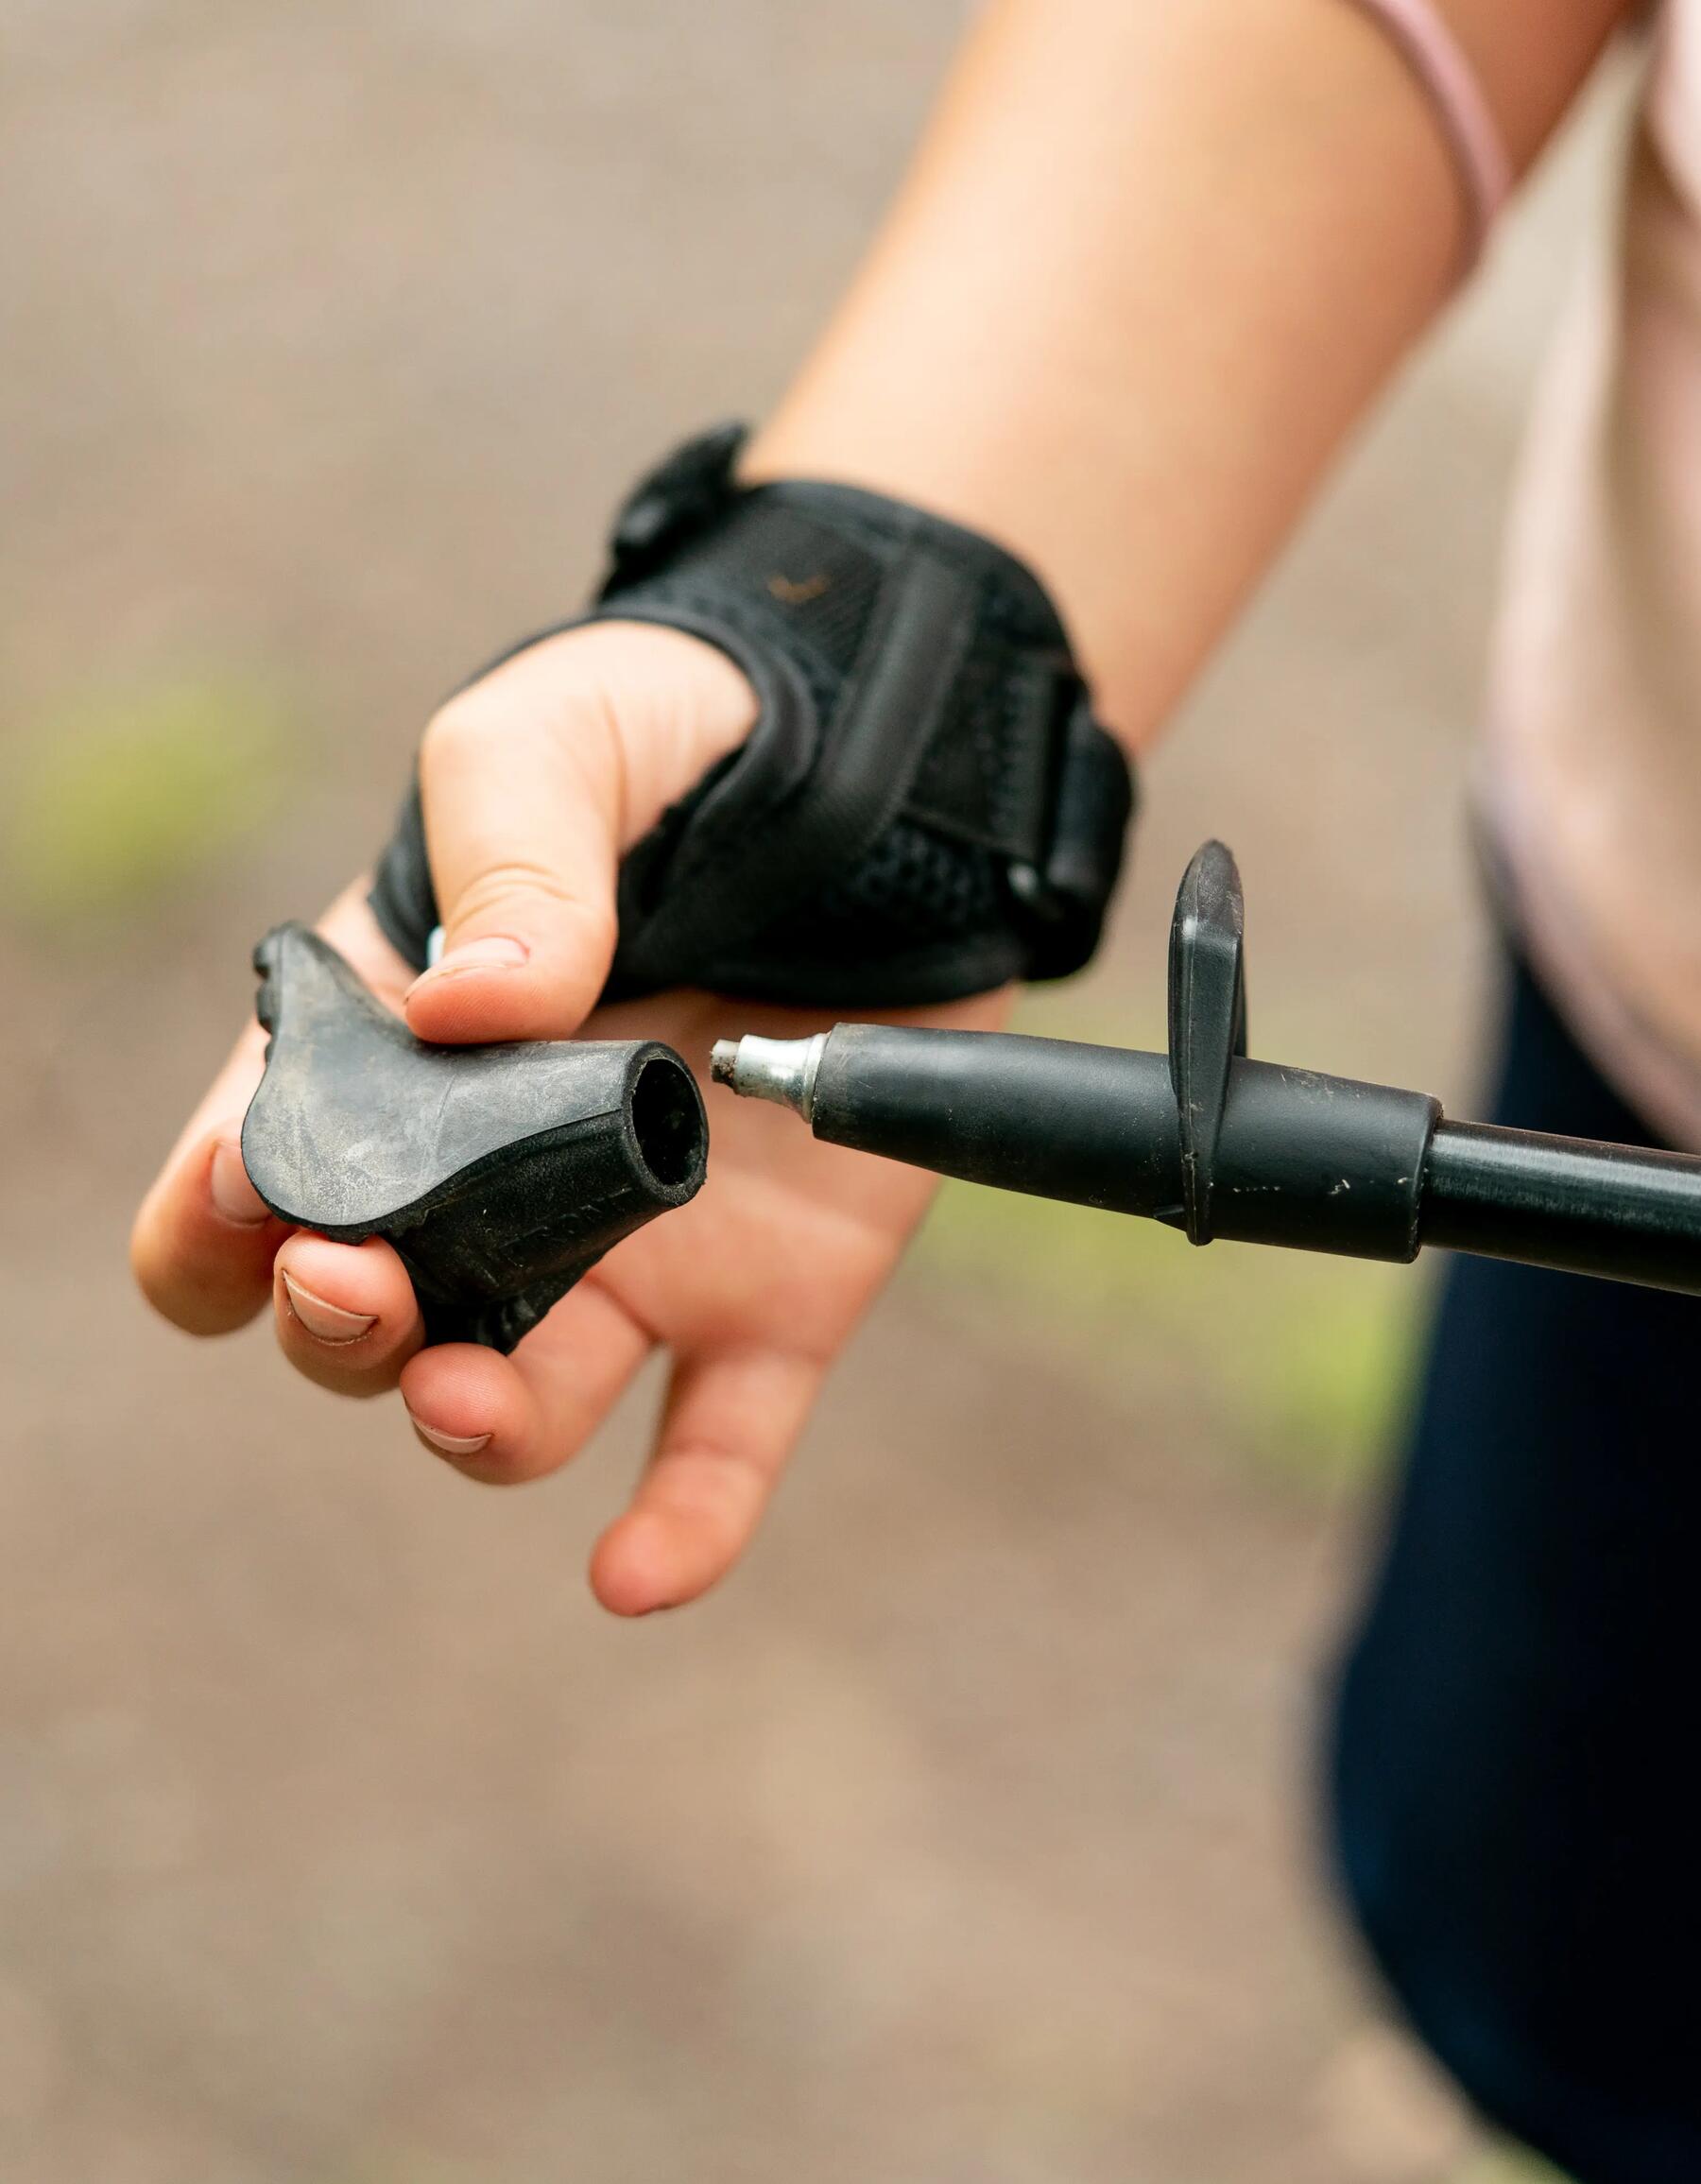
533,784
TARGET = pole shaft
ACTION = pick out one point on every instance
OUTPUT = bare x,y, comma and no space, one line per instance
1623,1212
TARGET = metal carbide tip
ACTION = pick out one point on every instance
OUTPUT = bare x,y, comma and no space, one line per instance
779,1070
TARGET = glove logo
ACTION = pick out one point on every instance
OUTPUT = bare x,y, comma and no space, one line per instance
791,593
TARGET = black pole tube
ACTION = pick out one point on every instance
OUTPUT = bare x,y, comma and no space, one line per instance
1317,1163
1623,1212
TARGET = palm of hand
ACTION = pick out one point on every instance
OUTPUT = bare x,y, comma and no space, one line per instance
752,1289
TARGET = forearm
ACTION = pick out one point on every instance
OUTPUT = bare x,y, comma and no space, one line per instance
1151,263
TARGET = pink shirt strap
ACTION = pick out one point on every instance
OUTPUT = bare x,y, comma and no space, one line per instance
1428,46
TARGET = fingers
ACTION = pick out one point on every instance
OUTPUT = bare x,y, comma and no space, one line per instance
520,783
346,1313
728,1425
504,1420
203,1244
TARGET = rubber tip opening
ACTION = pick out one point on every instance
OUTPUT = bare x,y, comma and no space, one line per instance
667,1121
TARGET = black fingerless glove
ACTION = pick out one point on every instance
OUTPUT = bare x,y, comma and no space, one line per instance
926,808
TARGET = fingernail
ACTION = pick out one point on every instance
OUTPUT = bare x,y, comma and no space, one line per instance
231,1193
494,951
451,1444
328,1322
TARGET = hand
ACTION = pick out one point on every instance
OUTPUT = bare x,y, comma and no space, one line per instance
535,781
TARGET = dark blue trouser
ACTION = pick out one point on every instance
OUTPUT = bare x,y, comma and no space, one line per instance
1513,1761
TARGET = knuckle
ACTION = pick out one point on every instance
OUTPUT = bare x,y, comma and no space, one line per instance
463,729
717,1478
551,708
533,895
190,1305
159,1272
148,1268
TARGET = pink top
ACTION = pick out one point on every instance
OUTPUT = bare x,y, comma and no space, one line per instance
1592,773
1591,778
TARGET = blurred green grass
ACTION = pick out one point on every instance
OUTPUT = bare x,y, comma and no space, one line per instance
119,797
1308,1359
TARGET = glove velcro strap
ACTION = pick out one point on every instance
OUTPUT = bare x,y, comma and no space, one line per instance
925,809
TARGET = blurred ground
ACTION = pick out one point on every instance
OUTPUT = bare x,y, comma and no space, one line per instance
967,1835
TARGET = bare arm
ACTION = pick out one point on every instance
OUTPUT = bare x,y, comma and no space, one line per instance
1150,264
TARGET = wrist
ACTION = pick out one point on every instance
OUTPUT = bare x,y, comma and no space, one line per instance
925,809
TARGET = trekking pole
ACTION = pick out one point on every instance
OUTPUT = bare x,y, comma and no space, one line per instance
1216,1145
